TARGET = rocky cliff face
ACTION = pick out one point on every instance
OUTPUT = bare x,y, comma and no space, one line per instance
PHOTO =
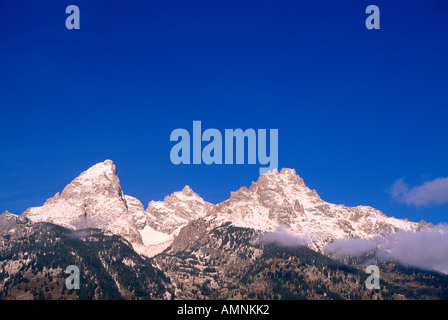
175,211
186,248
95,199
283,199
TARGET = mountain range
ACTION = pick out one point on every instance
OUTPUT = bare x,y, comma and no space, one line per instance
268,241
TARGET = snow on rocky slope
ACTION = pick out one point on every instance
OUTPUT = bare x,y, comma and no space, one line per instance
95,199
176,210
279,199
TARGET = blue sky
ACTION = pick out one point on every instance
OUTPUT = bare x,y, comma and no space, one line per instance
357,110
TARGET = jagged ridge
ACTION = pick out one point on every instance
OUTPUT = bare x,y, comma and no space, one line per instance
95,199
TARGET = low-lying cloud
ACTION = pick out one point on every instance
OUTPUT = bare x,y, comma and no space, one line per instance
430,192
427,249
284,237
350,247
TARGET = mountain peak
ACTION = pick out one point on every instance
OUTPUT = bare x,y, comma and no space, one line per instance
288,171
283,199
176,210
105,168
286,178
8,216
93,199
187,190
186,194
101,178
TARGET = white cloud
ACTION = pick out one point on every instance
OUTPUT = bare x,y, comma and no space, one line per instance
349,247
284,237
426,249
430,192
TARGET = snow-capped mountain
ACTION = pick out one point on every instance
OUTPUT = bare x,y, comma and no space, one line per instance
281,199
95,199
163,220
176,210
186,248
